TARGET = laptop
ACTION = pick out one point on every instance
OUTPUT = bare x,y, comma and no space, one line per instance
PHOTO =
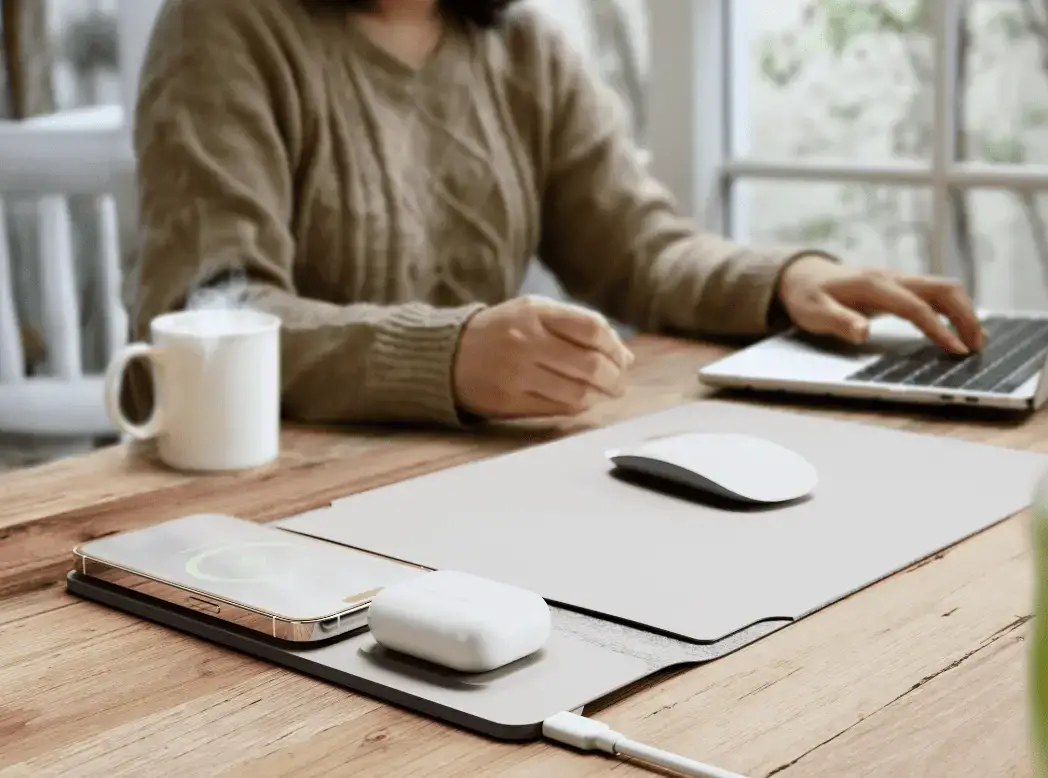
899,364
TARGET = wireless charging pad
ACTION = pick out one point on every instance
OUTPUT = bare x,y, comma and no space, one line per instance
585,659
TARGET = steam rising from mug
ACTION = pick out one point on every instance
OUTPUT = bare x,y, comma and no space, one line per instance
227,293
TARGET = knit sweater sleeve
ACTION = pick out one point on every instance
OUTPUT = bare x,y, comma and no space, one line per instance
611,232
217,134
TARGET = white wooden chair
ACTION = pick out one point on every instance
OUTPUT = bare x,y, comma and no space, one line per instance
47,160
44,161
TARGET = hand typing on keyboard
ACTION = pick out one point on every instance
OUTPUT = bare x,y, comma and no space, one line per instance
1015,350
827,298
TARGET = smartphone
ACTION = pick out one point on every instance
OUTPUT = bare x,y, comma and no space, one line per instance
274,581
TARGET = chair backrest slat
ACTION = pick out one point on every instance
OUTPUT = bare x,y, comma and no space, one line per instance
109,289
60,303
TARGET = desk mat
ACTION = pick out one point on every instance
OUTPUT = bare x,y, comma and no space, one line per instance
586,659
555,520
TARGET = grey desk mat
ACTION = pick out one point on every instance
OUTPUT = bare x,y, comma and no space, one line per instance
586,659
555,520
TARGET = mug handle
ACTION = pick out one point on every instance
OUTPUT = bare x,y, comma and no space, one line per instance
114,385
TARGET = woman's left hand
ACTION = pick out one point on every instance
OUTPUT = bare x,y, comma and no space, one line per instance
828,298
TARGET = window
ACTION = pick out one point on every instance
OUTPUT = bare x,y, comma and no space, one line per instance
84,49
907,133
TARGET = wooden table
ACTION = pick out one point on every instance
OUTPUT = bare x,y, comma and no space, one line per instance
921,675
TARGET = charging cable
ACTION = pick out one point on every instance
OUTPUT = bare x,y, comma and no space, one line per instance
589,735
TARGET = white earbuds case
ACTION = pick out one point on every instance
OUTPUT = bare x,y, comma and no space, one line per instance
459,621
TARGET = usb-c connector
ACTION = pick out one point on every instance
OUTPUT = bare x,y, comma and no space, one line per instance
586,734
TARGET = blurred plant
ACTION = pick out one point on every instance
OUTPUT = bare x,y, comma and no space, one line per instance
898,36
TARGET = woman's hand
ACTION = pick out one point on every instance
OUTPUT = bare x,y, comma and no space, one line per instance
532,357
828,298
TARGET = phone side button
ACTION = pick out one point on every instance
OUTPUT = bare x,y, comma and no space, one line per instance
330,625
203,606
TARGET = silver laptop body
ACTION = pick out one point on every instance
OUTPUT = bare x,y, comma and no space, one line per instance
899,364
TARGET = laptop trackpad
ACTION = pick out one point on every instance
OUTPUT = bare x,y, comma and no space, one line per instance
816,358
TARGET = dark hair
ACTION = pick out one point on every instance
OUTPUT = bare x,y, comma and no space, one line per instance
482,13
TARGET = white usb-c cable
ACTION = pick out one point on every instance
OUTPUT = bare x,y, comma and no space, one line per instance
586,734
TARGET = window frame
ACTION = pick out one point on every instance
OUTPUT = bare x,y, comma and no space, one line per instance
696,123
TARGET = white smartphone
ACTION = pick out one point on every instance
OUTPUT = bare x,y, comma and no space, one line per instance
274,581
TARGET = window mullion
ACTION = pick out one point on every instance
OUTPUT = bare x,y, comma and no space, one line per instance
735,95
832,171
946,19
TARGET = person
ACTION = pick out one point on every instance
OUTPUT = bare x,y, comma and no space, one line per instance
380,173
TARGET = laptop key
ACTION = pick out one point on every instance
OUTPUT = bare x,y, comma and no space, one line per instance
963,372
936,369
1002,356
893,368
1023,374
1015,350
1009,368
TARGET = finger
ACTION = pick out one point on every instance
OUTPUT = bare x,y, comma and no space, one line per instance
588,365
568,394
585,328
826,316
951,300
890,296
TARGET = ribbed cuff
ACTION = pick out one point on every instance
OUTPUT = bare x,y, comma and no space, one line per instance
410,366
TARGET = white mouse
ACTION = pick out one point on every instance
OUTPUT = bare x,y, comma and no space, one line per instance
732,466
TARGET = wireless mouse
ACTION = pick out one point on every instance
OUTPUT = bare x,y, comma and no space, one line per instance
736,467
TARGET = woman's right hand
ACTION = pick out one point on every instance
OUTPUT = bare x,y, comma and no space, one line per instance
532,356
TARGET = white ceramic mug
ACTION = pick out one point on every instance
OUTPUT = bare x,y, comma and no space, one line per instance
216,388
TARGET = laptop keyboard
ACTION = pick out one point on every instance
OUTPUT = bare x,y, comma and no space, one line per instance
1015,350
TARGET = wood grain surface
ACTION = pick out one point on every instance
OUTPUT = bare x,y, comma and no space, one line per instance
922,675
